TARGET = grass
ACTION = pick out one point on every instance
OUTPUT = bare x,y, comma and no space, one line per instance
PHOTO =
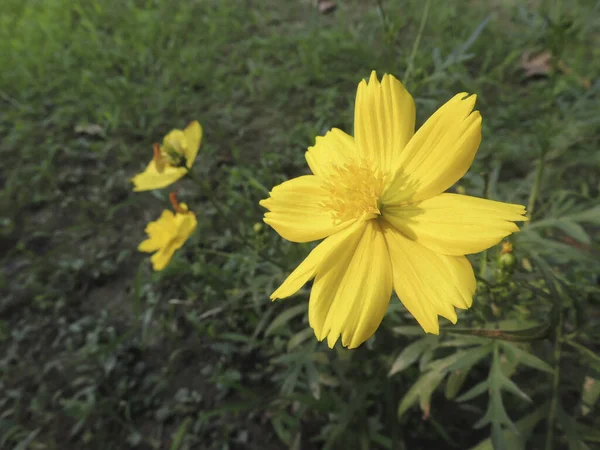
99,352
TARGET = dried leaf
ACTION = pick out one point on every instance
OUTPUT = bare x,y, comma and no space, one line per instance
325,6
536,65
90,129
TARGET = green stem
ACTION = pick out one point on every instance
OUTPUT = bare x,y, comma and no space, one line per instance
383,16
537,184
555,383
207,191
413,53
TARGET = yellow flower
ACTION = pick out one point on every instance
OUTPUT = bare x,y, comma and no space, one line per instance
171,161
378,200
168,233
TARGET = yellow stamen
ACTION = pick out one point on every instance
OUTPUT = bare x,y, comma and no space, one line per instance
158,158
355,189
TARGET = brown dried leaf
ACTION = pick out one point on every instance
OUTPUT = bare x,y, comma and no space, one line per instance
325,6
536,65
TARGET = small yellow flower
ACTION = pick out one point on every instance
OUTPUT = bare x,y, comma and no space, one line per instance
172,160
378,200
168,233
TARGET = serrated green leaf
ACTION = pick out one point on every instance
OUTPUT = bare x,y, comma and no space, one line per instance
285,317
410,354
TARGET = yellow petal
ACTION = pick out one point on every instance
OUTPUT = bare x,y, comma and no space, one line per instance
162,258
318,256
166,235
159,232
193,136
297,212
151,178
455,224
333,149
352,289
439,153
384,120
428,284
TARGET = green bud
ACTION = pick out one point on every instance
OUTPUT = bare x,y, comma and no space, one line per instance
507,261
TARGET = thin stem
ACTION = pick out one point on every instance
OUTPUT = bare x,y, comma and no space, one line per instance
205,187
537,184
411,58
555,383
382,12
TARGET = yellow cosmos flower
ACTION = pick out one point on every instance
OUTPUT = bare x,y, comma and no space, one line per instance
168,233
378,200
172,160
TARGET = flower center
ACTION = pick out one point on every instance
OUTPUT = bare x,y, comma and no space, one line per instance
355,189
167,156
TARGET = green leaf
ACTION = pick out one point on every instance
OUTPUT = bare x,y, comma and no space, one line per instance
179,434
574,230
455,382
299,338
411,353
511,387
475,391
591,215
526,358
471,357
420,391
285,317
517,441
408,330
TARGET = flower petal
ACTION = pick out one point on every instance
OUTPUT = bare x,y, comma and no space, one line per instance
161,258
352,289
455,224
297,212
384,120
308,268
193,136
151,178
159,232
333,149
428,284
439,153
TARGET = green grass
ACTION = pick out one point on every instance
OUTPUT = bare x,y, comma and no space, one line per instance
98,352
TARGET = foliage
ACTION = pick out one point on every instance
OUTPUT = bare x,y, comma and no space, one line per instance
99,352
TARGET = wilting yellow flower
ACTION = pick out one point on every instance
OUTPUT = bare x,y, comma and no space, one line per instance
172,160
378,200
168,233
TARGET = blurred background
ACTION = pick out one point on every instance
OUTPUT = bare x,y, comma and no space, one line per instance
100,352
